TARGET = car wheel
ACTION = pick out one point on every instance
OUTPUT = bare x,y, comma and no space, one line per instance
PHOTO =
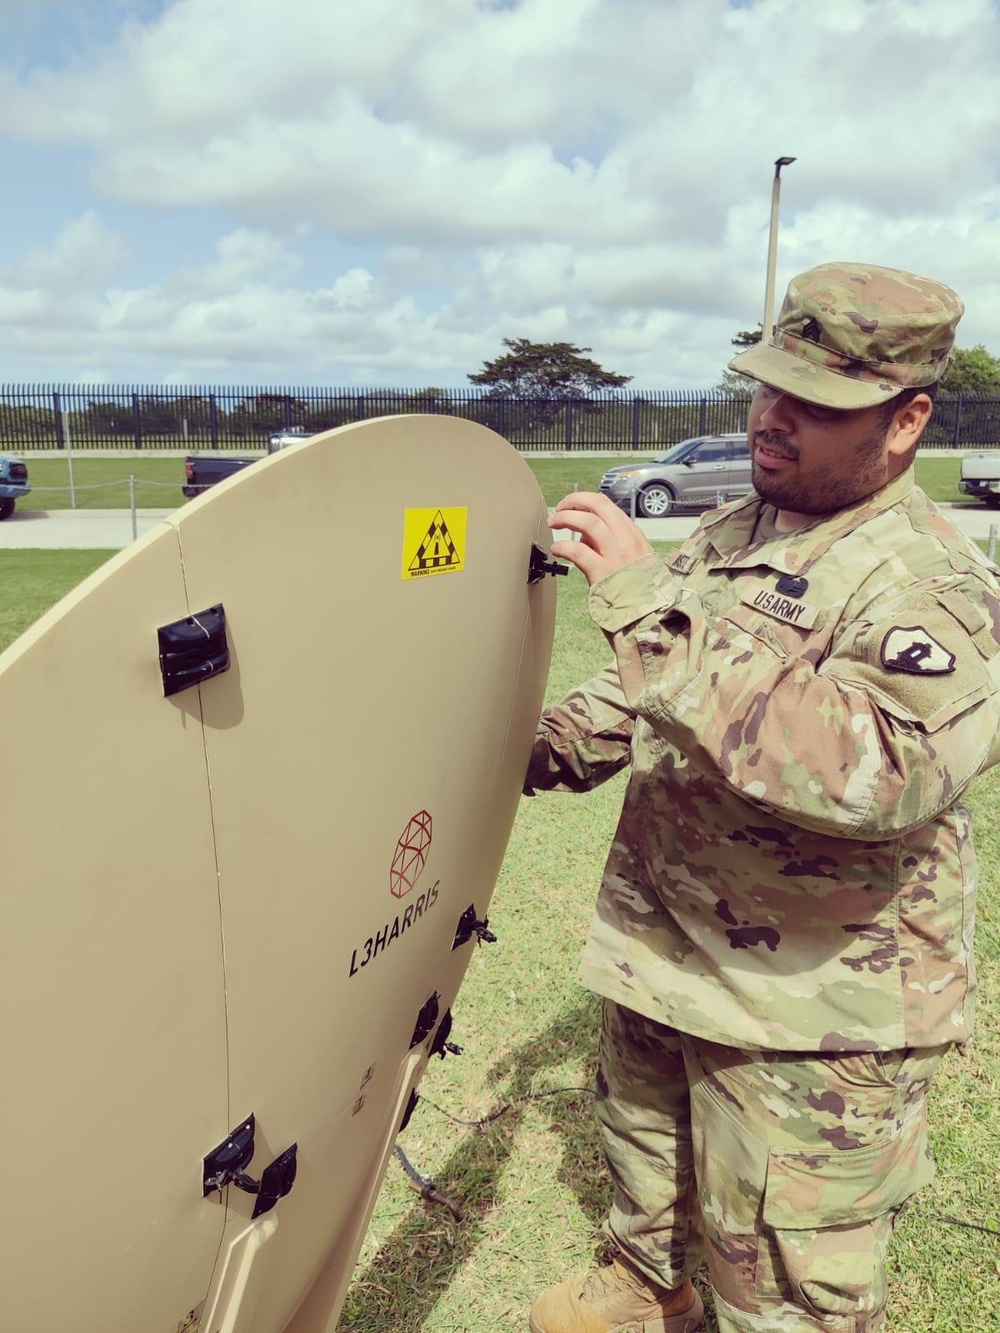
655,500
6,508
993,501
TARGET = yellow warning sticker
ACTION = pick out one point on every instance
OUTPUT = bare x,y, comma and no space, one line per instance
433,541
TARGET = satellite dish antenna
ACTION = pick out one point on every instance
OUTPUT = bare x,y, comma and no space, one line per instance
262,766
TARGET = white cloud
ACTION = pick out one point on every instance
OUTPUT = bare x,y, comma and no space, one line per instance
597,170
83,255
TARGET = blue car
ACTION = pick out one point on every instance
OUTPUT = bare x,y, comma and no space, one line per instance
13,484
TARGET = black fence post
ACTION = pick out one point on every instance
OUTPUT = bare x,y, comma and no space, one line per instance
57,409
213,419
636,424
702,415
569,427
958,423
137,419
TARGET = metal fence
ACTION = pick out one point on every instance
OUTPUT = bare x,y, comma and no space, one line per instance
127,417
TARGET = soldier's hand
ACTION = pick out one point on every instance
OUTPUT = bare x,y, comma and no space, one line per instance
608,537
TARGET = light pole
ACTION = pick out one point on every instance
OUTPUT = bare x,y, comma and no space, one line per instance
772,249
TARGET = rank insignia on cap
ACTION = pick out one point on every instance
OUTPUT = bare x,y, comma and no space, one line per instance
912,649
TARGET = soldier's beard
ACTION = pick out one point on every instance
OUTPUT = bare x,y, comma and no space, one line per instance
824,488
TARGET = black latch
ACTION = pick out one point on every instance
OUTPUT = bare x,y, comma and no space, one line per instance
469,925
441,1045
225,1164
276,1180
426,1019
227,1161
193,649
539,565
411,1106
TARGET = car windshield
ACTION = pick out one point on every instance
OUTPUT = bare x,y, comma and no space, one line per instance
678,452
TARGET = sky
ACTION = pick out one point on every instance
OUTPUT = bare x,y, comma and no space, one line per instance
377,192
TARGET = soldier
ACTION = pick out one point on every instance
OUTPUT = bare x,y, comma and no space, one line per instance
783,934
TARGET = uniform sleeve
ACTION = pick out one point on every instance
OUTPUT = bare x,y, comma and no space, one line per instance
880,736
583,740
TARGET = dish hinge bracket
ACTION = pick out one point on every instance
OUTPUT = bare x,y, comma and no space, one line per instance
225,1165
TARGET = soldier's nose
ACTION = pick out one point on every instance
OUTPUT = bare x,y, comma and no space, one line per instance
777,415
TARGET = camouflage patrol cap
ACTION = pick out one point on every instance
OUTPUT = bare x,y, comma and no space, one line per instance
852,335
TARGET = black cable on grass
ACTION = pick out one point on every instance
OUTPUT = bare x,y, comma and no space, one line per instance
956,1222
518,1101
422,1183
425,1187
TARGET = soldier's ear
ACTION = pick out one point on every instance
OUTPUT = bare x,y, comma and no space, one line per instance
908,424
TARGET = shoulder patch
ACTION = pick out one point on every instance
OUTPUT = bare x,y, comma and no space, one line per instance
910,648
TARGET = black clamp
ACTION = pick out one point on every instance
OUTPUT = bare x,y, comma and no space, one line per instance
426,1019
225,1164
193,649
424,1025
469,925
539,565
441,1045
411,1106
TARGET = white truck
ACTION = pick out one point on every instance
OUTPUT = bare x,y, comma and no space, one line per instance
980,478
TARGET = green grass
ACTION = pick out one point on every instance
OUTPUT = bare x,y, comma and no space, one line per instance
103,483
939,478
32,581
531,1184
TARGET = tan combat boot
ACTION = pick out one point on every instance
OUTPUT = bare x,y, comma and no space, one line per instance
616,1299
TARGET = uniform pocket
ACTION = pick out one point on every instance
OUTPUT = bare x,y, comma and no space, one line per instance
828,1218
743,620
809,1190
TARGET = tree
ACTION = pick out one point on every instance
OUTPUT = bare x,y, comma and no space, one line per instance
553,371
738,386
262,413
974,371
551,376
429,399
748,337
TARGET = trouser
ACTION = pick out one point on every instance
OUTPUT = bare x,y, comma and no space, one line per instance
783,1171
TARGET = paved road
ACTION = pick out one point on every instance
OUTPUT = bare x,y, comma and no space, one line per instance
82,529
112,528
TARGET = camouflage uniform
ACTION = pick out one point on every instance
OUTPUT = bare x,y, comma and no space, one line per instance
785,1172
784,930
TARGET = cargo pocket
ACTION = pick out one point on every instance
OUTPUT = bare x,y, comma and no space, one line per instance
828,1218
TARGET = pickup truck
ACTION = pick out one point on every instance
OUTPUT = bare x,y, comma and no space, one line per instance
204,470
980,478
13,484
